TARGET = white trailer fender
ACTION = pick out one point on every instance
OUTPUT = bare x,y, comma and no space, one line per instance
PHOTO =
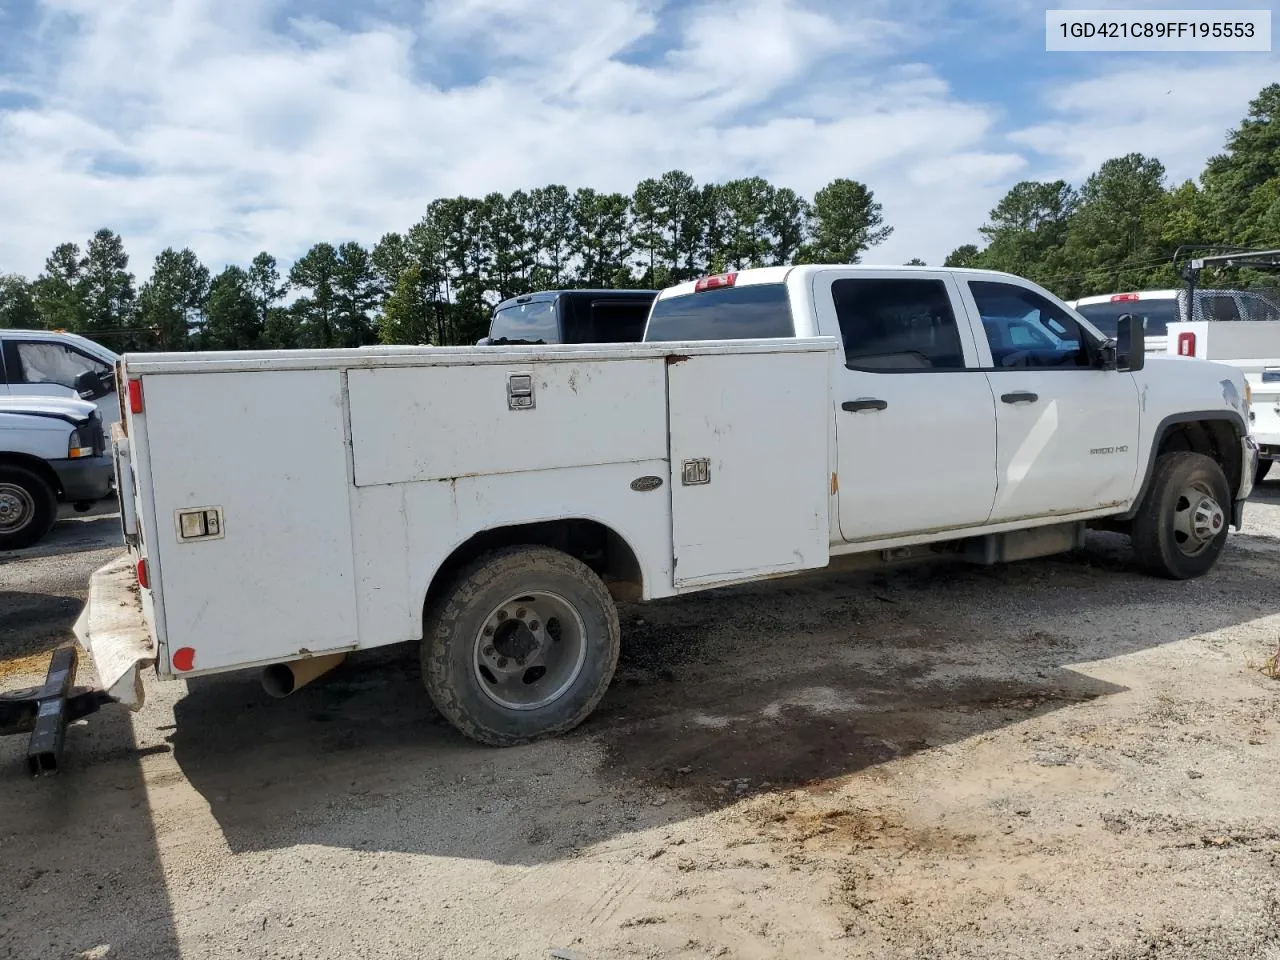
112,630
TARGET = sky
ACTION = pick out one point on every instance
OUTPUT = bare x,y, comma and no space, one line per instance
233,126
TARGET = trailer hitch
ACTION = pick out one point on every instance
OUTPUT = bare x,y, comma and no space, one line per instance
45,711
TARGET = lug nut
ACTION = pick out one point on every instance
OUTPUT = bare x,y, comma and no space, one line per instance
502,663
533,624
490,650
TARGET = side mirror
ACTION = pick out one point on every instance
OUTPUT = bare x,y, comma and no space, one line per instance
1131,343
90,386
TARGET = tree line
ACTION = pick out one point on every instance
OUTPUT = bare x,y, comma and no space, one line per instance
438,281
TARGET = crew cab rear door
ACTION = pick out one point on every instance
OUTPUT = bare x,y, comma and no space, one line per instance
915,419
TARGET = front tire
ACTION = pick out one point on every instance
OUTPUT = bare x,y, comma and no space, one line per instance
28,507
1182,525
521,646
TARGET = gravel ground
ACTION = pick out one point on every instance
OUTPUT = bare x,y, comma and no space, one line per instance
1059,758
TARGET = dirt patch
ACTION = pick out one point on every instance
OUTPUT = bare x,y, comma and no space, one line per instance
24,667
745,735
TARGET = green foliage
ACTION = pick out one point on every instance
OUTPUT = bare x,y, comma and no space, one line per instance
265,286
107,291
59,291
171,303
847,222
408,315
316,312
965,255
17,303
233,318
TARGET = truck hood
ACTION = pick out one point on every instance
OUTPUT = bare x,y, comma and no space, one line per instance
57,406
61,408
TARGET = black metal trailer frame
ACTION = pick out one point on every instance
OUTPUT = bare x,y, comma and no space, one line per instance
45,711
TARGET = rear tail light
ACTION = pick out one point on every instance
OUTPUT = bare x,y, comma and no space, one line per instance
1187,344
1124,297
715,282
144,576
135,396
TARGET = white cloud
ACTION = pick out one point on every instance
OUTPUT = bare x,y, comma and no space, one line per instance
199,124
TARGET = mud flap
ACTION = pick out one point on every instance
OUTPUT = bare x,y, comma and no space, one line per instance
113,631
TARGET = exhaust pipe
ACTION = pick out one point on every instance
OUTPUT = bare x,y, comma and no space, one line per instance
282,679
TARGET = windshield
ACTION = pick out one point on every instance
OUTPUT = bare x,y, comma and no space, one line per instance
729,313
1156,315
533,322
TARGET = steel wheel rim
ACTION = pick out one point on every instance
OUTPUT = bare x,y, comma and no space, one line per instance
17,507
529,650
1198,519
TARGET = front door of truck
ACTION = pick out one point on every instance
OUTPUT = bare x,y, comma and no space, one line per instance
1066,430
915,419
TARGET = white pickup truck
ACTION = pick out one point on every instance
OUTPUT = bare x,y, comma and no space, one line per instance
489,505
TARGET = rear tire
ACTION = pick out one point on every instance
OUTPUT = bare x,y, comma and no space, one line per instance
28,507
1264,467
521,646
1182,525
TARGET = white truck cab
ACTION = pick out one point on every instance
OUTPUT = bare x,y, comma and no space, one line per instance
48,363
774,421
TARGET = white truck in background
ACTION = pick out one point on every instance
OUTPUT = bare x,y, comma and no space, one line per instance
774,421
1156,309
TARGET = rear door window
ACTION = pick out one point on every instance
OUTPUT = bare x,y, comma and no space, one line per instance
901,325
755,312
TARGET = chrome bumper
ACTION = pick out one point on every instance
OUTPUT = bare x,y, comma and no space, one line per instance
113,631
